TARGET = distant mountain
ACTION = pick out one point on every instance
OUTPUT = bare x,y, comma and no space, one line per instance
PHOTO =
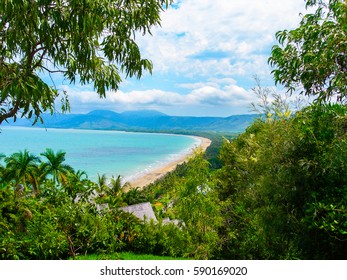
144,120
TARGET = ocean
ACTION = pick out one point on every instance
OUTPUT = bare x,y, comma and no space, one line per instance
113,153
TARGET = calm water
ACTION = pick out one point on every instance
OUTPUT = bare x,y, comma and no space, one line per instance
100,152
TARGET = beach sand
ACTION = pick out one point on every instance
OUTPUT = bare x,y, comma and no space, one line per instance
159,172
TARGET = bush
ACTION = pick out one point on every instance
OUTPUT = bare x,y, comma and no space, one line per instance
284,188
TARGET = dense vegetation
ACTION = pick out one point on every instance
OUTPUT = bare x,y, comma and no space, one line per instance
50,211
280,193
312,57
283,187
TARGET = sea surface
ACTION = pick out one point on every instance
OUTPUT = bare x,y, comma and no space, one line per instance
100,152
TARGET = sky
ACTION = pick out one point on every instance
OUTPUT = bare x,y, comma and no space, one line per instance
205,56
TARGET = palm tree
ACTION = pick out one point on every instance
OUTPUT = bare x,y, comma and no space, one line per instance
101,184
134,196
114,189
115,186
55,166
21,168
38,178
77,183
101,188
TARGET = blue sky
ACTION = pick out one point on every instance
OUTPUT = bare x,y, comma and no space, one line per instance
205,55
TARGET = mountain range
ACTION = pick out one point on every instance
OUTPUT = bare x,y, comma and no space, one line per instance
145,120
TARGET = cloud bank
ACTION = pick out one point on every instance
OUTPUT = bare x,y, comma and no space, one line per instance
205,55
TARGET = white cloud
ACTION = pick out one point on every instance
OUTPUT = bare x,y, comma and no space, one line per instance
240,29
223,92
205,54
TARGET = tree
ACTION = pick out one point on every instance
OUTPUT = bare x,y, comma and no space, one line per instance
197,206
55,165
77,184
115,188
85,41
101,184
313,57
21,167
283,188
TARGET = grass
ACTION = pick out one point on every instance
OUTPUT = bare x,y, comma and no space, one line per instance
132,256
125,256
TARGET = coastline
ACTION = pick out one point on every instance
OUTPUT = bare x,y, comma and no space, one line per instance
159,172
139,179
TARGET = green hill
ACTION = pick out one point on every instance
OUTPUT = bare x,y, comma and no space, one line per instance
144,120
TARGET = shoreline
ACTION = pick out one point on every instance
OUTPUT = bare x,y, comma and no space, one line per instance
146,177
159,172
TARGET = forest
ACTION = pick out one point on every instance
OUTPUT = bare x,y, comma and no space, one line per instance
278,190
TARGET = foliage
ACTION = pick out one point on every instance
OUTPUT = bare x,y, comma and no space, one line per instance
161,239
85,41
55,166
134,196
61,220
312,57
197,206
58,219
283,187
312,162
20,170
188,196
53,226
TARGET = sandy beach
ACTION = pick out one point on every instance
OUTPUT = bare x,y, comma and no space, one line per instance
157,173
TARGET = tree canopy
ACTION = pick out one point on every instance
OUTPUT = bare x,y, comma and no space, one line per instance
89,41
312,57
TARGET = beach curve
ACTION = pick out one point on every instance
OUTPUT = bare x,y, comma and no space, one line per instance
156,173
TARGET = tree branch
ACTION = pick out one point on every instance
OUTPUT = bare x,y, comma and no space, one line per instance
53,71
41,58
11,113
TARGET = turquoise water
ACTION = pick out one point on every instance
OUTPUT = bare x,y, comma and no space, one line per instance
100,152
